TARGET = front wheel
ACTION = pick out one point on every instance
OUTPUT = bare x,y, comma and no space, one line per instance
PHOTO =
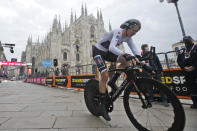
165,115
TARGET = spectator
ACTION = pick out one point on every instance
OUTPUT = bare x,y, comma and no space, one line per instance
57,72
187,60
155,65
64,69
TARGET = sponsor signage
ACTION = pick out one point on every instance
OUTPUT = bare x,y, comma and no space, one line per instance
38,80
49,80
46,63
176,80
13,64
80,81
29,64
61,81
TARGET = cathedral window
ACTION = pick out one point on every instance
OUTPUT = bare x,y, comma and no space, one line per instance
65,56
77,48
77,57
92,31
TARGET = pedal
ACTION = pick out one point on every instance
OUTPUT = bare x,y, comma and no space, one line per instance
110,108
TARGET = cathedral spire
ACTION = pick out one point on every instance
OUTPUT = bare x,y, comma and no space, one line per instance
101,16
110,29
86,12
66,26
59,25
38,41
29,40
97,14
55,23
82,10
71,17
75,16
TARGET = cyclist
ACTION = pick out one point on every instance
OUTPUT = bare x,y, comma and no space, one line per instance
106,50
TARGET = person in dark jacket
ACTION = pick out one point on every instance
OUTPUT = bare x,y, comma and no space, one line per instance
187,60
157,70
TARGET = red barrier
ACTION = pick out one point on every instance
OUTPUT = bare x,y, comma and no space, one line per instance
38,80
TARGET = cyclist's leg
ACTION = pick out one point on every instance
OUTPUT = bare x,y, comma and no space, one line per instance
98,56
103,71
100,62
103,82
123,64
113,58
104,94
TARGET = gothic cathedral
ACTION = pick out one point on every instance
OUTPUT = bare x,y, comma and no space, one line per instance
70,45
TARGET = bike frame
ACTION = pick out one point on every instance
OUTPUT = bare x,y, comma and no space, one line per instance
120,90
129,81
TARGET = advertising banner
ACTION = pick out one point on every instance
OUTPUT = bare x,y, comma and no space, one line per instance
13,64
42,80
61,81
49,80
38,80
176,80
80,81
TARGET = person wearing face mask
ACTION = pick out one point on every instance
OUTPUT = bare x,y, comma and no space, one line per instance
187,60
155,65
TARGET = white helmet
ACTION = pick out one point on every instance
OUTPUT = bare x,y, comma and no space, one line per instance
131,24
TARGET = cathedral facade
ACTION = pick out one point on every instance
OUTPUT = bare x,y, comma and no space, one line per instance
70,45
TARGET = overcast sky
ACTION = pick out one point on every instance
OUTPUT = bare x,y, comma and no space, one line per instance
160,25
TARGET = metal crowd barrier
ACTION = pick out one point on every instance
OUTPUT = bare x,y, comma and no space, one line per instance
173,78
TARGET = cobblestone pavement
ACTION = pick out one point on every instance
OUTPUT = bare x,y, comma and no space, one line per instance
28,107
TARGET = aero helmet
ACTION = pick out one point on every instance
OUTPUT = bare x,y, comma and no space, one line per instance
131,24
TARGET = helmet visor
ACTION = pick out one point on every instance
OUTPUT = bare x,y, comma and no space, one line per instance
135,27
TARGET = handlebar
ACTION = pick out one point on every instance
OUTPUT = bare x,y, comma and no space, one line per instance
125,70
138,65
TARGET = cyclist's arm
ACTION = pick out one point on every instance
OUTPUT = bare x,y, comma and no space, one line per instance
133,48
113,43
